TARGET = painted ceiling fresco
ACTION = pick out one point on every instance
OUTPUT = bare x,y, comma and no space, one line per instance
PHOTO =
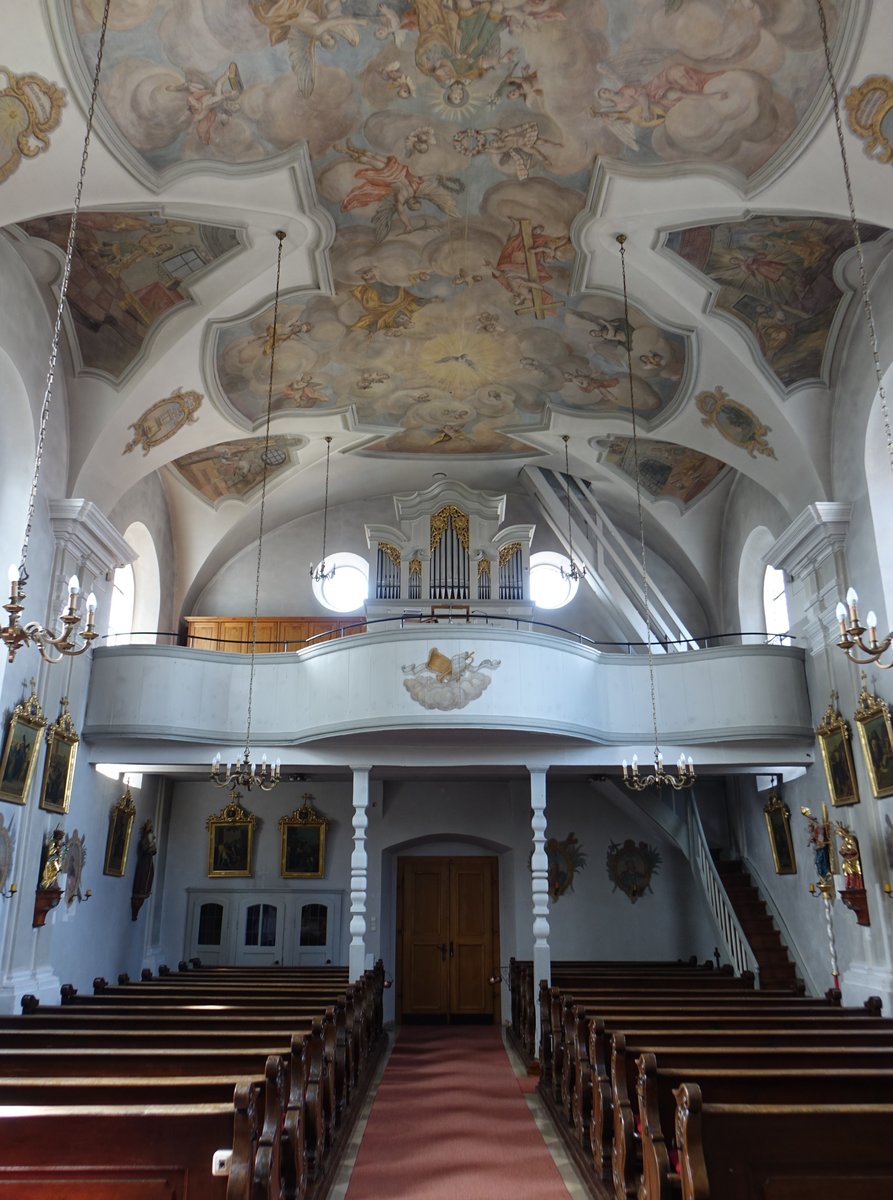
775,275
452,142
666,471
234,470
128,273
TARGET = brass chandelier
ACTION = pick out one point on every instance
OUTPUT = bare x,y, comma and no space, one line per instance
67,642
245,773
685,771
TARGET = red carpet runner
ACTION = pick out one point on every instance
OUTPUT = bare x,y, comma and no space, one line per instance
449,1122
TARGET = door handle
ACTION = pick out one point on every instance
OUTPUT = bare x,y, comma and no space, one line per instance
443,952
451,949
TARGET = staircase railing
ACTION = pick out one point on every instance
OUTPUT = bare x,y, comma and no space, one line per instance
734,941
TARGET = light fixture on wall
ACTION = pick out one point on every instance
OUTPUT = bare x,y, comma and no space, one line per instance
244,773
54,645
851,640
685,771
573,572
319,574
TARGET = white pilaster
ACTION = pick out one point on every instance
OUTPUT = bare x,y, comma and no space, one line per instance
358,875
542,959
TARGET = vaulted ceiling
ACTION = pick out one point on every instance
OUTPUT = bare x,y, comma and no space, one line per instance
452,176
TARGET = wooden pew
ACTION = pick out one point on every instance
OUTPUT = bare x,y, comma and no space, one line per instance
657,1086
782,1152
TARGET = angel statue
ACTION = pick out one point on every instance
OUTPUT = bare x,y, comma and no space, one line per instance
305,25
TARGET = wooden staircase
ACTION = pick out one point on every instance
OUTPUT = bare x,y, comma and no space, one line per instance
776,968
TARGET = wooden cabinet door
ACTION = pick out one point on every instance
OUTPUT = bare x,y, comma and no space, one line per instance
448,938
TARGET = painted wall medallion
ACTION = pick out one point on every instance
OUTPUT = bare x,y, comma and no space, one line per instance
447,683
869,108
736,422
129,272
30,108
164,419
666,471
631,866
565,859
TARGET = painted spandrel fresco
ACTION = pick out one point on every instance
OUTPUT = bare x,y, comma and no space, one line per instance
665,471
453,143
235,470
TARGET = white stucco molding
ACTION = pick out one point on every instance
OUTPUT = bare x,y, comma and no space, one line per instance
818,533
85,532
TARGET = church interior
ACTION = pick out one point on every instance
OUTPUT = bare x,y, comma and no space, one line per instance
448,437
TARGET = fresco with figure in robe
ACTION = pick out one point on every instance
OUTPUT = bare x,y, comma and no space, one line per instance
452,141
775,275
235,470
128,272
666,471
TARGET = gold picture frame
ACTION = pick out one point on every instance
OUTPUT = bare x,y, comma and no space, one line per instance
876,735
303,837
117,845
778,823
58,764
834,741
21,749
230,841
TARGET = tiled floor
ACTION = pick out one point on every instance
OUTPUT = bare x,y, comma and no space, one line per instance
567,1170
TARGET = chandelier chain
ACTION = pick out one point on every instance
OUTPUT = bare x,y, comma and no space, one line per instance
263,491
63,293
857,237
632,405
325,508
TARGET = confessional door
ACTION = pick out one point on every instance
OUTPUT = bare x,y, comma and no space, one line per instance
447,939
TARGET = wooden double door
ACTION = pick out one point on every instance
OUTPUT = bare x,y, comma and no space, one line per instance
447,939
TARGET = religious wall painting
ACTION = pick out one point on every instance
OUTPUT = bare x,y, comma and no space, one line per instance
525,85
163,419
631,866
24,735
117,846
58,764
130,269
235,470
231,840
876,737
775,276
303,842
833,734
869,108
778,825
565,858
447,682
30,109
736,422
666,471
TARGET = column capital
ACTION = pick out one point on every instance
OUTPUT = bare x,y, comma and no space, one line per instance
819,531
84,531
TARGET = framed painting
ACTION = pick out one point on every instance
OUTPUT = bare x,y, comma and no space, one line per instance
876,736
230,841
778,822
58,766
834,740
23,738
303,842
118,841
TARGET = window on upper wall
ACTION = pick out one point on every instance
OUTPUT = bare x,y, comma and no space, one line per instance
121,607
347,590
775,606
548,587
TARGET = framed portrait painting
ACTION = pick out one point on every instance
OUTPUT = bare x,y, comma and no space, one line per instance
230,841
834,740
58,766
303,843
118,841
778,823
876,736
23,738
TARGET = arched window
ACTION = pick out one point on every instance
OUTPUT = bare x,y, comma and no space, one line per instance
146,583
775,606
751,571
121,607
346,590
549,588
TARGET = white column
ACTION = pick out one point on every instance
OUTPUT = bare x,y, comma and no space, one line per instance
358,876
542,958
